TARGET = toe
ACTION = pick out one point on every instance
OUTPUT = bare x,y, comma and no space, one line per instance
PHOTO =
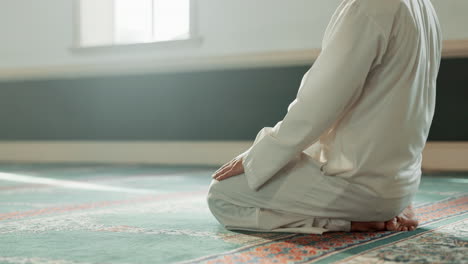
391,225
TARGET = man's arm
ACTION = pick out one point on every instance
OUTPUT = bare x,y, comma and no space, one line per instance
354,46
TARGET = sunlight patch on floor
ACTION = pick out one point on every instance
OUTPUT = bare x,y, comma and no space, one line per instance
70,184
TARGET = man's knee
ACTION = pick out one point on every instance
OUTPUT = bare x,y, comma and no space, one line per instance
237,182
224,188
229,215
214,186
217,206
215,197
211,201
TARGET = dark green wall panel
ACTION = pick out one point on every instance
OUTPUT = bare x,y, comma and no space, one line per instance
217,105
450,121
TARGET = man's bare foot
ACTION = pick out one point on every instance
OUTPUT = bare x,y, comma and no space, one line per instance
406,221
367,226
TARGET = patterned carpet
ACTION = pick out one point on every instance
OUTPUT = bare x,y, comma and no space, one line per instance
92,213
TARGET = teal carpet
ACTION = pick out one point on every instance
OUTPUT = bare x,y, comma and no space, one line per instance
92,213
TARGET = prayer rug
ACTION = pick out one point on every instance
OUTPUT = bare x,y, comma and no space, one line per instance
128,214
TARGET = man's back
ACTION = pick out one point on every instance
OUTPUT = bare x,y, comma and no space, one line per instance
379,140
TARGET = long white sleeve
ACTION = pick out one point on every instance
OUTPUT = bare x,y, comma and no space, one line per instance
353,45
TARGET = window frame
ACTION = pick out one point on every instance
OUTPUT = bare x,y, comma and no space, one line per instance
193,36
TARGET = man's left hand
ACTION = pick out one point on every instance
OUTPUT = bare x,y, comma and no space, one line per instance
230,169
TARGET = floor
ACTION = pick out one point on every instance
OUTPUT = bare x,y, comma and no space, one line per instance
97,213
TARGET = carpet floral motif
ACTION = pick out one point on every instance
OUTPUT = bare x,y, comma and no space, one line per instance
448,244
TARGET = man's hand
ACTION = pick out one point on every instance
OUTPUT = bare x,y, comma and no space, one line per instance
232,168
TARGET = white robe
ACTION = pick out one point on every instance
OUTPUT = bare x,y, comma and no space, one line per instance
354,135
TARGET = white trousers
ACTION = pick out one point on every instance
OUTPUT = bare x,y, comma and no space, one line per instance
298,199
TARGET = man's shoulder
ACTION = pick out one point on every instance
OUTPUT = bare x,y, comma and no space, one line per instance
378,8
383,12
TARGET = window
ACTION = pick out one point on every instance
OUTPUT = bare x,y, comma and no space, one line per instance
120,22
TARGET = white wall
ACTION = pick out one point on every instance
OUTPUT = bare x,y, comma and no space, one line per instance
39,34
36,33
453,16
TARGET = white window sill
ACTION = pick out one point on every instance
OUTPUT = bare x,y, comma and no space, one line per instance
194,41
